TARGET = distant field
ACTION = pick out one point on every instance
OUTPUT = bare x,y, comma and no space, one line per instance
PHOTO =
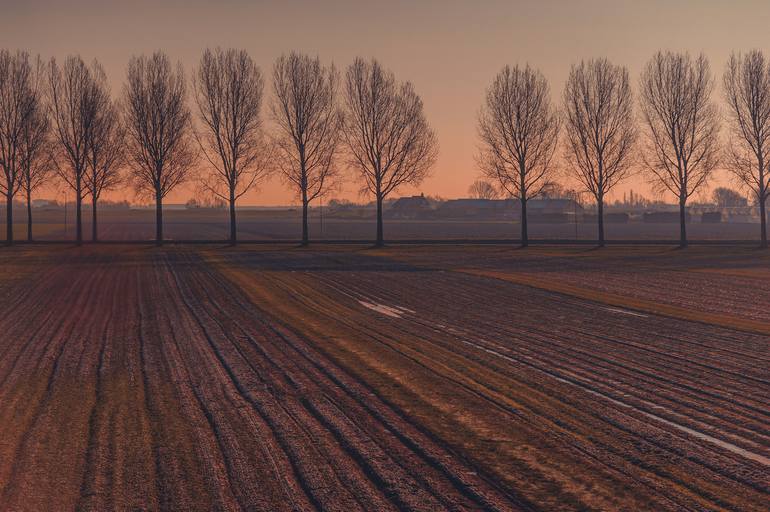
405,378
121,225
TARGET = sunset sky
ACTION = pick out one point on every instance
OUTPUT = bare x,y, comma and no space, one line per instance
450,50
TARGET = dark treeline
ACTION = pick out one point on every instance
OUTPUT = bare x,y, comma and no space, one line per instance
60,122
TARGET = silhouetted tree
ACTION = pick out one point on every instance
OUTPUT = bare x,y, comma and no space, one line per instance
19,102
728,198
554,190
158,129
519,131
106,156
681,126
747,90
305,111
228,90
600,129
389,141
76,94
36,160
481,189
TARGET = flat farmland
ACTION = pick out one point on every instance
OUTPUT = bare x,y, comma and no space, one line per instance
404,378
285,225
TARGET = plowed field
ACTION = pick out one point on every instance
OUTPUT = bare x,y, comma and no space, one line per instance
278,378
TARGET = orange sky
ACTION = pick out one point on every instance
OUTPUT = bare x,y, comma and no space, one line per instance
450,50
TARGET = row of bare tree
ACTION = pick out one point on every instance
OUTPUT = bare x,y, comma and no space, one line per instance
678,145
60,121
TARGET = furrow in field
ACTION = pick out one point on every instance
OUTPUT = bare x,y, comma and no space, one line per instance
360,449
671,441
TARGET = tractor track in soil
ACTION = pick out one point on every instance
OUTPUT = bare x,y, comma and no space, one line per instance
142,379
675,408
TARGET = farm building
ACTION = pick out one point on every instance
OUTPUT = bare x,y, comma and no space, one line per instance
551,206
663,217
489,209
413,207
552,211
477,209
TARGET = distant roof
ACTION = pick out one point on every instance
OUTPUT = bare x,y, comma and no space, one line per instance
548,202
494,204
410,201
477,203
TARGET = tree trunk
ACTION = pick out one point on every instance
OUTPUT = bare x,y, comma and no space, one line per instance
762,224
233,237
682,224
94,232
380,237
600,218
305,236
524,231
9,216
303,185
158,219
29,215
78,214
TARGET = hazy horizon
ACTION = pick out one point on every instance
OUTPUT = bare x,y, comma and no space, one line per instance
449,50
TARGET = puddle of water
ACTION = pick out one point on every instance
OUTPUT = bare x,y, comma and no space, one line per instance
382,308
700,435
727,446
624,311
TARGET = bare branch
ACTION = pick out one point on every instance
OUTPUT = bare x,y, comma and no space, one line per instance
20,106
158,130
77,92
106,153
747,91
681,122
304,108
481,189
228,91
388,139
24,131
518,128
600,129
37,144
681,125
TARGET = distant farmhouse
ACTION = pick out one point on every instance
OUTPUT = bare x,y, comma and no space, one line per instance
476,209
552,210
42,203
414,207
538,210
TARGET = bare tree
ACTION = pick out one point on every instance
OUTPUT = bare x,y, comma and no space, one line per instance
158,129
600,129
725,197
36,160
105,159
519,130
389,141
228,90
747,90
76,94
305,111
481,189
681,126
553,190
19,102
